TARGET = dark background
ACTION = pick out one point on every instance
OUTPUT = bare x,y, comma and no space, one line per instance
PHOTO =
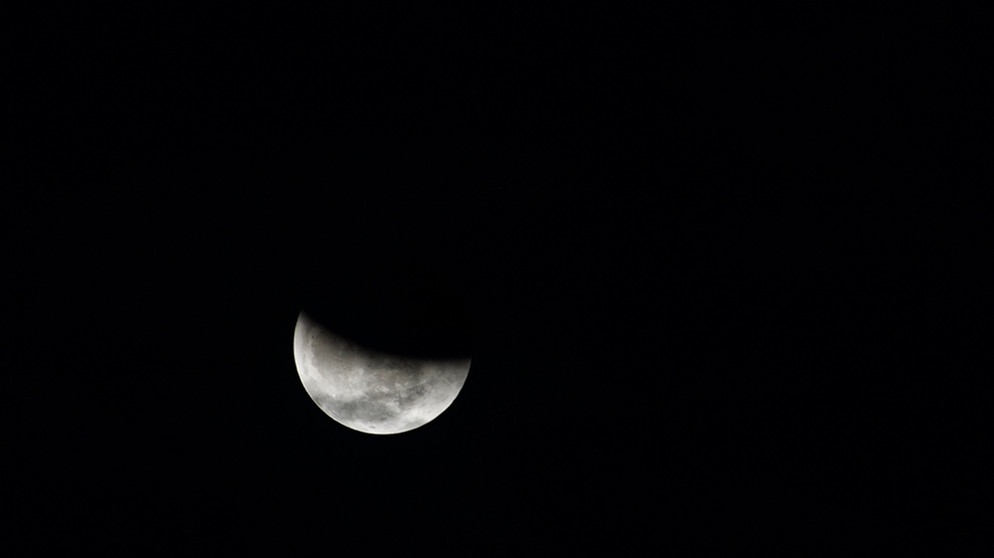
663,236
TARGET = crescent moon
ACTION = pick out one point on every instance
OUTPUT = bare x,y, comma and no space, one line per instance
371,391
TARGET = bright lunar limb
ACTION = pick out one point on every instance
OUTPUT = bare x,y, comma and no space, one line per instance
370,391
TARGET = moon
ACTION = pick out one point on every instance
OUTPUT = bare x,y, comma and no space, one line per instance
371,391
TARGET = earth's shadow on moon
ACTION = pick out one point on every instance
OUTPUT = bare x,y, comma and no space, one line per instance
406,316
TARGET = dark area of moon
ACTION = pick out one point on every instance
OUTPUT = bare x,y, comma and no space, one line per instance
370,390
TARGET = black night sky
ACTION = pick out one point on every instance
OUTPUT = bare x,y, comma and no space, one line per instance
655,232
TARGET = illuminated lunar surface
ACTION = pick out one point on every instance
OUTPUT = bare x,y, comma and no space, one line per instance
370,391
